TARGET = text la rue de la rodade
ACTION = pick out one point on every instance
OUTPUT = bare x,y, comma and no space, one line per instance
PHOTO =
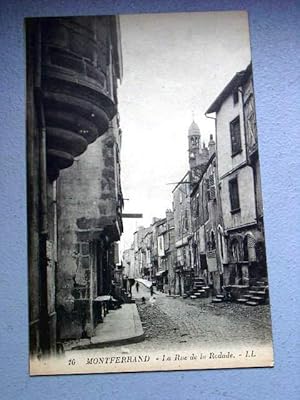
165,358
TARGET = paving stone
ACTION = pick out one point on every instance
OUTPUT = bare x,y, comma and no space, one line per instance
171,320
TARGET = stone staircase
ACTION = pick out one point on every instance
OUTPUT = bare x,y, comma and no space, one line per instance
257,294
199,290
254,296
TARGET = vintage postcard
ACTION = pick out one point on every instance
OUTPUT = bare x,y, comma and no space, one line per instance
145,215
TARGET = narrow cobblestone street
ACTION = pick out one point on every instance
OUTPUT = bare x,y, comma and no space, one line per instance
168,321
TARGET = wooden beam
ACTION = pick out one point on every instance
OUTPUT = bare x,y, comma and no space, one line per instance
132,215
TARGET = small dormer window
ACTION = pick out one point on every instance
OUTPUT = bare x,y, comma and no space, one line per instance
235,97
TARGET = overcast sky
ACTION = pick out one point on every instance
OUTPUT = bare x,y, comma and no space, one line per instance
174,65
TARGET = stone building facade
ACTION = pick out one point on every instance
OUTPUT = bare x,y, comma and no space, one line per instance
73,68
165,276
89,225
239,181
217,213
170,252
205,212
198,155
182,225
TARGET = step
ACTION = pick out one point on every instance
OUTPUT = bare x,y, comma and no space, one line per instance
193,297
247,296
253,292
261,293
220,296
257,298
256,287
262,283
243,301
217,301
252,303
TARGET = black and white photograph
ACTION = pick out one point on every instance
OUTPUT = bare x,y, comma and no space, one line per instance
146,240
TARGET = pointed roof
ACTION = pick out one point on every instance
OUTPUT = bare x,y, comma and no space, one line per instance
194,129
238,80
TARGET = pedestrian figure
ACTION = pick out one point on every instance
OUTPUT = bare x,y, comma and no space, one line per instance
137,285
152,301
151,290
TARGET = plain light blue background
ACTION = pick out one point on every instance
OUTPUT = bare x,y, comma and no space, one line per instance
275,40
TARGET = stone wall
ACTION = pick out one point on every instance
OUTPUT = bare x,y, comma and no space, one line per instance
88,221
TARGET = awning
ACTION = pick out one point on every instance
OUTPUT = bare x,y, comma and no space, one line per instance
144,282
161,273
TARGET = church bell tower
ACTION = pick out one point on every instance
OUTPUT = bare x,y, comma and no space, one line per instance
194,138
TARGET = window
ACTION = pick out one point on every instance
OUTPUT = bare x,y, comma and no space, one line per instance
245,248
180,196
197,205
235,97
235,134
186,221
235,251
234,195
212,189
205,199
212,240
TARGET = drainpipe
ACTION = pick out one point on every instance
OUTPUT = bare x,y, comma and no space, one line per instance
43,220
